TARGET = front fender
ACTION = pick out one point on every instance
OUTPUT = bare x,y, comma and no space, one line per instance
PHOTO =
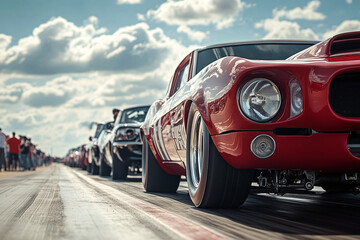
213,88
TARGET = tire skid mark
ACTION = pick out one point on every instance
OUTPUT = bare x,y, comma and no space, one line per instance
31,215
184,227
47,211
10,183
6,188
28,203
16,202
20,198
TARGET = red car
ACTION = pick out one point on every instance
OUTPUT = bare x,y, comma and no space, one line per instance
284,114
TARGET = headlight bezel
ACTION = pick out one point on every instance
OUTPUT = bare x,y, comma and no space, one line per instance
245,85
128,134
296,98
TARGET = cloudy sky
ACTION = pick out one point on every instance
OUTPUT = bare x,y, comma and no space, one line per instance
66,63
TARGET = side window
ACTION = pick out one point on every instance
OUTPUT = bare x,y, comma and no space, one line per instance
181,78
184,76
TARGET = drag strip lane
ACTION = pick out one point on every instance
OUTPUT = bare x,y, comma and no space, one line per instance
158,216
92,211
68,203
314,215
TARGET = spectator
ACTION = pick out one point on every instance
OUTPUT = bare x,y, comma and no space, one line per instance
2,149
32,155
24,153
115,112
14,144
7,156
38,155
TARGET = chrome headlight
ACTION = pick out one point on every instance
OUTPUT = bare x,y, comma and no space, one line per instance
127,134
260,99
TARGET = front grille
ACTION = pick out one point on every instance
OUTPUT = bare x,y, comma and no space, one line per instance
344,95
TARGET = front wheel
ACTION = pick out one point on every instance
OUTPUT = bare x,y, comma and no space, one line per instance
154,178
120,169
89,168
212,182
84,167
95,168
105,169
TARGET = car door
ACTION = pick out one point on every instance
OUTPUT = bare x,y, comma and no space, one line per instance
161,124
180,93
160,111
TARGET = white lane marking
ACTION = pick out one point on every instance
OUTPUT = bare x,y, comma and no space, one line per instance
90,215
184,227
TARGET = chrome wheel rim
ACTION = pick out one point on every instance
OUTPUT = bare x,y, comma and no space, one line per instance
196,149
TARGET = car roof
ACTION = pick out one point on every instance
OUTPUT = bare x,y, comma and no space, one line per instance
257,42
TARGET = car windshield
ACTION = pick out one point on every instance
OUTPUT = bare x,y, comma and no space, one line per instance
99,128
261,51
134,115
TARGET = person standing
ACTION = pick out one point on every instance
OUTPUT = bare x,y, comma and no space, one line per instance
14,148
7,155
32,155
2,149
24,154
115,112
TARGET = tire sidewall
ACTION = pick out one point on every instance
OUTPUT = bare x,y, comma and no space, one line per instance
144,162
197,193
104,168
119,168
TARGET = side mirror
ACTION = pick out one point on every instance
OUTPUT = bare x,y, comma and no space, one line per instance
109,125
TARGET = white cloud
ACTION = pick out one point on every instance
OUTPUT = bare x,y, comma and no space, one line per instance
93,20
128,1
140,17
349,1
54,129
59,46
192,34
57,111
56,107
5,40
198,12
53,93
309,12
345,26
285,30
13,93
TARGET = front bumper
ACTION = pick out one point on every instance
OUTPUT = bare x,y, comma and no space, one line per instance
318,151
128,152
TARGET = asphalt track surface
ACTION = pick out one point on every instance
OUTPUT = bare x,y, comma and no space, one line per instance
65,203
